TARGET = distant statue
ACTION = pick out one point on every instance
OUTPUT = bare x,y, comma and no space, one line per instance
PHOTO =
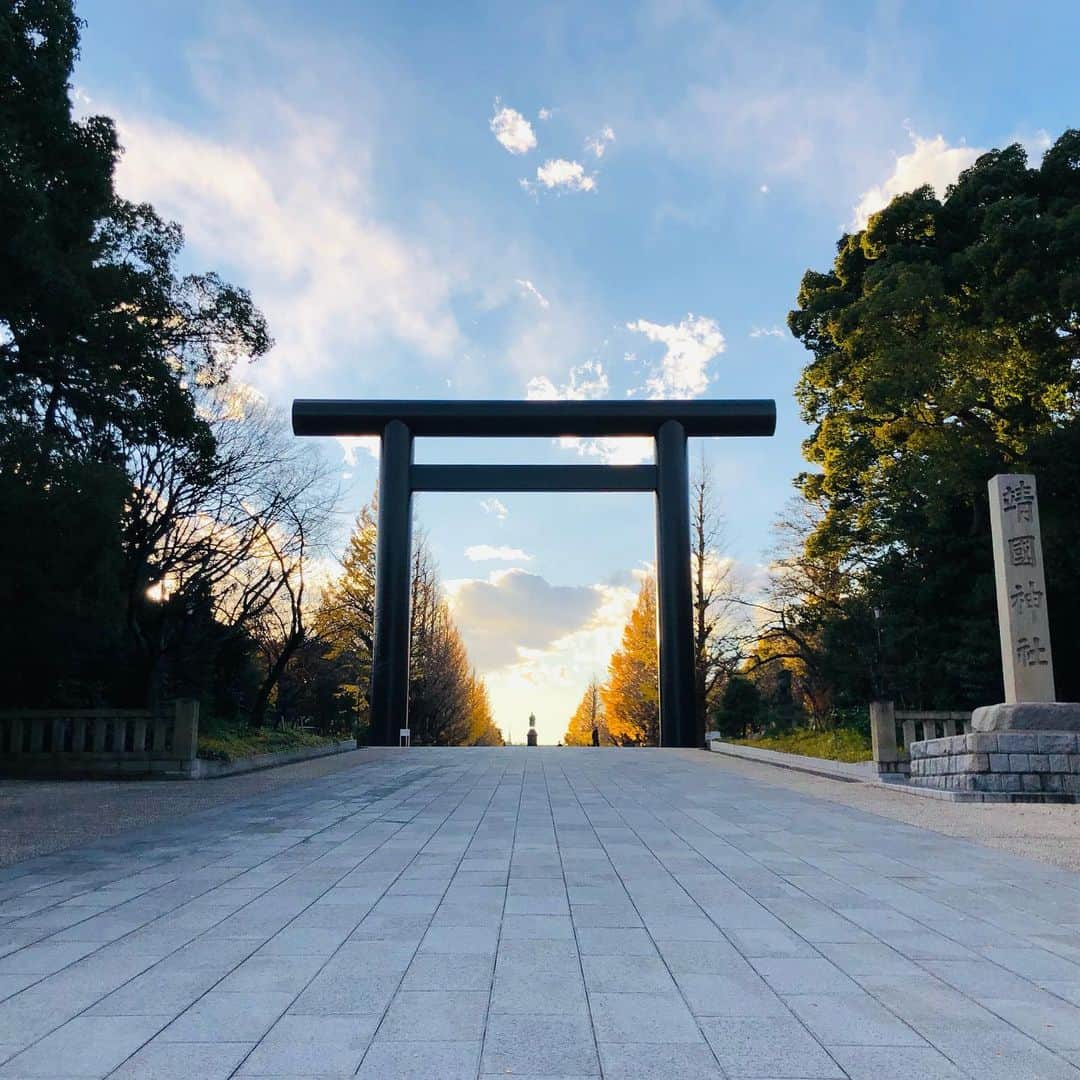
532,729
596,736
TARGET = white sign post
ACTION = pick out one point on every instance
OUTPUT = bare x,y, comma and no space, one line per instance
1023,622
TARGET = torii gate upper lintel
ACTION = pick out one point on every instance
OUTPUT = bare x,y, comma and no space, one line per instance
669,423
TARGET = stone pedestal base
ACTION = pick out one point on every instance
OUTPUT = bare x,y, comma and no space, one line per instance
1028,716
1001,766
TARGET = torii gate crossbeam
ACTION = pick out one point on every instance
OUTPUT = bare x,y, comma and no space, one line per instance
668,423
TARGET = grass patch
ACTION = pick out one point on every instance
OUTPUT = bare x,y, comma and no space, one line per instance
222,741
840,744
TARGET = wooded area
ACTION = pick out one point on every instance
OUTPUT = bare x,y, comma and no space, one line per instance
161,522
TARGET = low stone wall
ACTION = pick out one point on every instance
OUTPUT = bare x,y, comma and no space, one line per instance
99,742
893,732
1039,766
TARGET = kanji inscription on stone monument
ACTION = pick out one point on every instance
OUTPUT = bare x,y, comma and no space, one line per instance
1021,589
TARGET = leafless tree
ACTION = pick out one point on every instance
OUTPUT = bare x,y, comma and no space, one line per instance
716,643
806,590
231,536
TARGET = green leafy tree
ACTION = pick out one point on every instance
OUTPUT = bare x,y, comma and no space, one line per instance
102,343
945,347
740,708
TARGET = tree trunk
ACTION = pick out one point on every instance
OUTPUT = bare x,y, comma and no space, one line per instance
273,675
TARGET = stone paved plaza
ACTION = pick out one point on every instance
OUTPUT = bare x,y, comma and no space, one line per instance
538,913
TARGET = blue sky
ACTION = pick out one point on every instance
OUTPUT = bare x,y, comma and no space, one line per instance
466,200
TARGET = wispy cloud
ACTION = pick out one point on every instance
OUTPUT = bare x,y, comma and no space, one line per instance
690,346
293,215
495,508
544,113
527,287
768,331
585,381
598,143
759,98
489,553
558,174
512,130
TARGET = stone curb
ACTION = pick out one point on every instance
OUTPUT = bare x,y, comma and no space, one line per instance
210,770
849,772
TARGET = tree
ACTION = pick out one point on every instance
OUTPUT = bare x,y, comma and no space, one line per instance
945,346
809,622
739,709
280,627
439,672
448,702
102,339
345,617
631,696
716,648
230,535
103,345
587,727
482,729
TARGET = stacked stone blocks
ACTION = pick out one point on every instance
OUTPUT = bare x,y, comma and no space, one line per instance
1044,764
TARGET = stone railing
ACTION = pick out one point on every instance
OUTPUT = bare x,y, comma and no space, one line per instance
93,742
892,733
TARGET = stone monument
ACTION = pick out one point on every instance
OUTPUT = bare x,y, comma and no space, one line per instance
1025,748
532,730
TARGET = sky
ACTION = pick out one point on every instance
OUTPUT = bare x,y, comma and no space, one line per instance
552,200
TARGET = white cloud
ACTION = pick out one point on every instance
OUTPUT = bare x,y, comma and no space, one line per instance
689,347
549,681
1036,145
544,113
528,288
584,382
598,143
488,553
495,508
625,450
293,214
764,189
512,130
930,161
558,173
351,443
513,609
768,331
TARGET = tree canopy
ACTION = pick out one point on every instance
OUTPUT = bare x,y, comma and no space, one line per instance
945,347
631,696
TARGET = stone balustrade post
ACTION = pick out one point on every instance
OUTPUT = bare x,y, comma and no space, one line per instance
883,735
186,729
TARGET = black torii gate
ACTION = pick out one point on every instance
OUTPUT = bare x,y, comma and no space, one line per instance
669,423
